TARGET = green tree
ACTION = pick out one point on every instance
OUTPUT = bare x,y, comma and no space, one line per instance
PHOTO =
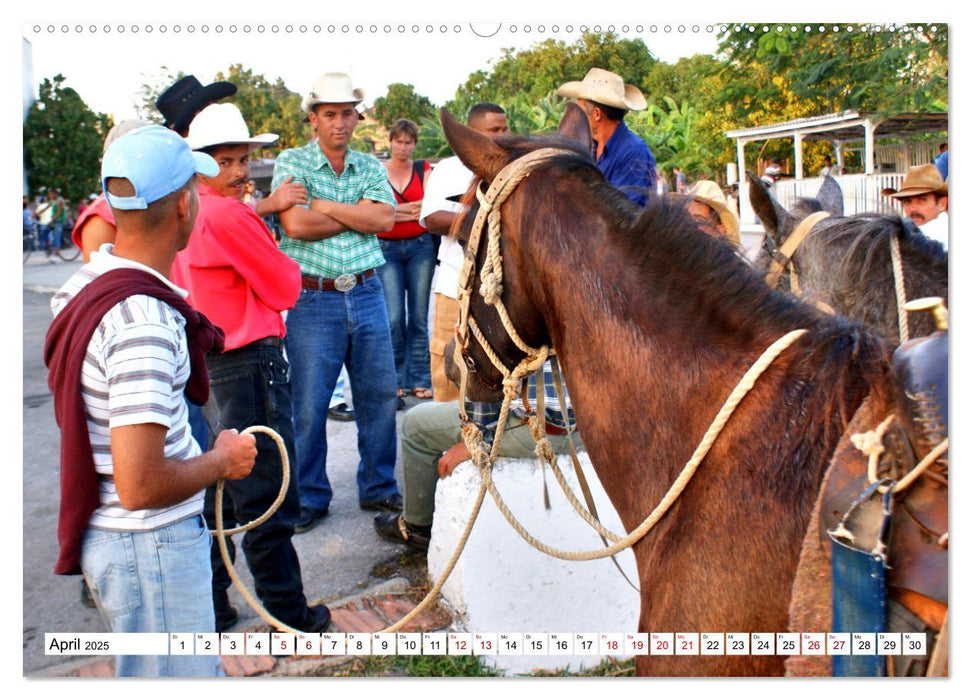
858,67
537,72
268,107
154,85
63,138
402,102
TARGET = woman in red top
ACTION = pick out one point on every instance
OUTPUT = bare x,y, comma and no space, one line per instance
409,253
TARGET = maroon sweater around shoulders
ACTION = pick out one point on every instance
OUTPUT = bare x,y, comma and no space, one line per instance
64,350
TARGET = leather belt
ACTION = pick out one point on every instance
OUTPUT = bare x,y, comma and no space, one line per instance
272,341
344,283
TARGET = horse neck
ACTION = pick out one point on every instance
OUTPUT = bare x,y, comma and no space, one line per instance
644,347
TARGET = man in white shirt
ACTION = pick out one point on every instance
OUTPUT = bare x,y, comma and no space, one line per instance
923,195
448,180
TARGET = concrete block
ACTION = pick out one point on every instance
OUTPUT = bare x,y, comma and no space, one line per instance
502,584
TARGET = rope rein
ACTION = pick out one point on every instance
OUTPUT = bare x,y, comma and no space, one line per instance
491,289
901,293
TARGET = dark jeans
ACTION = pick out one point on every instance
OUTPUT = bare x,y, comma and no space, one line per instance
251,386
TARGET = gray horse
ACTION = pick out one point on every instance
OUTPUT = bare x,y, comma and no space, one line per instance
845,261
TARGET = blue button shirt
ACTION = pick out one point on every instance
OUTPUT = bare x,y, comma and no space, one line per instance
941,164
627,162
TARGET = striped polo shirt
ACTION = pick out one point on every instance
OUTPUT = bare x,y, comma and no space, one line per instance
135,372
363,178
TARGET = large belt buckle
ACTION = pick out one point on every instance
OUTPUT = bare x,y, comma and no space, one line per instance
345,282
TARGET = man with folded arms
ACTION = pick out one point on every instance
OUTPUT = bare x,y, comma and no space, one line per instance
123,347
236,275
341,317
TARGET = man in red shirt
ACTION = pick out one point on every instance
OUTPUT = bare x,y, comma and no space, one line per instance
234,271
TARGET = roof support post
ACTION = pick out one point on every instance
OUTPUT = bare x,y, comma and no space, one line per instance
869,126
797,147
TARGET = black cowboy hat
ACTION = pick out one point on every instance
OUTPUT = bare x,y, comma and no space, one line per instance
186,97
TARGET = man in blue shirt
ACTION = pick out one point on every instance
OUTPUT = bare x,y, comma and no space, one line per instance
622,156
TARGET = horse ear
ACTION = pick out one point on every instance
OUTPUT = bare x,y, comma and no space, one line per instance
575,125
478,152
775,219
831,196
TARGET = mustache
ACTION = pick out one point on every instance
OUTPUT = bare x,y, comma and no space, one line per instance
237,183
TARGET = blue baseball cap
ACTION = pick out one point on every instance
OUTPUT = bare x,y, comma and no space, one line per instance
156,161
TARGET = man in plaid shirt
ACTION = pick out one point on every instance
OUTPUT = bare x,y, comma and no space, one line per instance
432,446
340,317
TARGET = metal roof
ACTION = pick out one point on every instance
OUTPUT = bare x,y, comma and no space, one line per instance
846,126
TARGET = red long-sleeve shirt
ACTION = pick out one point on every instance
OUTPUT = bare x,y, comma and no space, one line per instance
234,272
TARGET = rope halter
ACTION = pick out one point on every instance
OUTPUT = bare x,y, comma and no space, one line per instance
490,204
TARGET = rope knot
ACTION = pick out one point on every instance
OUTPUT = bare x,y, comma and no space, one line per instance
491,289
544,450
869,443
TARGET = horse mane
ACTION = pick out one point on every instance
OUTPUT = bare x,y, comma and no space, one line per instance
865,238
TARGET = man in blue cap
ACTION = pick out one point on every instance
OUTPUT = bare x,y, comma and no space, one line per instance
123,349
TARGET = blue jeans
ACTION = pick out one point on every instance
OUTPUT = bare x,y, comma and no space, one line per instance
154,581
251,386
324,331
407,281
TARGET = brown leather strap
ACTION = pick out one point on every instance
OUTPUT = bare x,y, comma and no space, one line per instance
327,284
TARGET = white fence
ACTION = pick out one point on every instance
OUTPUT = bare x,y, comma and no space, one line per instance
861,193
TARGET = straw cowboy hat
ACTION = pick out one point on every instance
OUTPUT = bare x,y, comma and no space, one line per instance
920,179
606,88
223,124
183,100
710,193
331,88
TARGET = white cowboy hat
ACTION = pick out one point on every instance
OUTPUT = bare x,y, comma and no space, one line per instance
607,88
710,193
223,123
331,88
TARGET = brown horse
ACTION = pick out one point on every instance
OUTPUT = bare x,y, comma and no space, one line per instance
654,323
845,262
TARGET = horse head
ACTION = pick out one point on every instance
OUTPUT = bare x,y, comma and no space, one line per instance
499,336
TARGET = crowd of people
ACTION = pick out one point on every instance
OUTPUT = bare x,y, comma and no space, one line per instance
192,321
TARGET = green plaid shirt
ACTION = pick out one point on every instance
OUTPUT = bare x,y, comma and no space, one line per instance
363,178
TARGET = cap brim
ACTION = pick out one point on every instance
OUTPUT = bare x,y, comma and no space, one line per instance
205,164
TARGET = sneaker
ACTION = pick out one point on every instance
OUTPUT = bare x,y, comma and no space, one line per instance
341,412
394,529
391,504
309,517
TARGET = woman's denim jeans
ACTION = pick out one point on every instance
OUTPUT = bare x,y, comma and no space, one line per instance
407,280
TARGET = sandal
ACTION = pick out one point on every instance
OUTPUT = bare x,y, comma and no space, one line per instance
420,392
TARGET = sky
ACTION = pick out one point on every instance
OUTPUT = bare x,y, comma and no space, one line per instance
108,68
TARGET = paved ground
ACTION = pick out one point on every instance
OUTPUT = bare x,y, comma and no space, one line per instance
338,557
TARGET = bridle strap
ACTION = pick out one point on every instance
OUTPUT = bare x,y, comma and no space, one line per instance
782,258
